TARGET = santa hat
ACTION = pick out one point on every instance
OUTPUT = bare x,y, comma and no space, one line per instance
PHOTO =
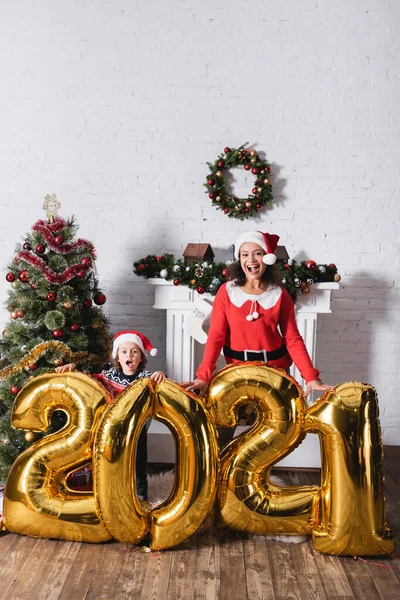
267,241
133,336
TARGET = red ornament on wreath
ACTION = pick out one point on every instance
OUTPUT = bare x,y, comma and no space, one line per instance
200,289
219,192
311,265
99,299
51,296
142,267
33,367
225,272
87,303
176,282
74,327
10,277
57,333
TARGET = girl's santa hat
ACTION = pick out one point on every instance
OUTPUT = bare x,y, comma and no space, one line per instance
267,241
133,336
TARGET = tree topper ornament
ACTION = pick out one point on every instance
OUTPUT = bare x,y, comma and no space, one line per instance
51,206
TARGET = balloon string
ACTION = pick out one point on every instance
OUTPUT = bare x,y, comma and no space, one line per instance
364,560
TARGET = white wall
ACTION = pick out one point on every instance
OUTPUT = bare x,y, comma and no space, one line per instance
117,105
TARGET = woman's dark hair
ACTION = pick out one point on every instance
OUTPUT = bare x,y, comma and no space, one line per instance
271,275
141,365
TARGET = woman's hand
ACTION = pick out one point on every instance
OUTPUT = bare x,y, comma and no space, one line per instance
197,384
157,377
316,384
66,368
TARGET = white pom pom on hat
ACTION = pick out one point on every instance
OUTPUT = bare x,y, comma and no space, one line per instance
267,241
133,336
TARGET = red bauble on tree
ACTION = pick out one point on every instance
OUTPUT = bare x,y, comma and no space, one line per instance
74,327
14,389
100,299
176,282
58,333
33,367
311,265
59,240
23,276
51,296
225,272
87,303
40,249
200,289
86,262
10,277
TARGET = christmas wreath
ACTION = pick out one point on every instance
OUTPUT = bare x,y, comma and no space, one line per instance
208,277
218,189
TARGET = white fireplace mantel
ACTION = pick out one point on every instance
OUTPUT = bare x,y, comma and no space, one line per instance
187,317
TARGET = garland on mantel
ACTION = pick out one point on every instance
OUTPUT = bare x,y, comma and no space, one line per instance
208,277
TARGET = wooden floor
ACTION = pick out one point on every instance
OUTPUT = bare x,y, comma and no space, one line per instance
205,567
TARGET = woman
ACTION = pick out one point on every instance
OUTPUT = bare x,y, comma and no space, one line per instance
253,317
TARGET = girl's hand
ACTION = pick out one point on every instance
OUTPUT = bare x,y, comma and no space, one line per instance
197,384
316,384
158,377
66,368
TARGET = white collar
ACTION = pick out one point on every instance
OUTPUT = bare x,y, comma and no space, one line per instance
267,299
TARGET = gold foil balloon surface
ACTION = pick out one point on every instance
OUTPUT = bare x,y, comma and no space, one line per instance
247,500
37,499
352,500
192,497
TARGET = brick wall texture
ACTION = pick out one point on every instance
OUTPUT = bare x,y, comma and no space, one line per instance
117,106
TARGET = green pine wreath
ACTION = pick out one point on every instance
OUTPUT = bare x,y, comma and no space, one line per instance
218,189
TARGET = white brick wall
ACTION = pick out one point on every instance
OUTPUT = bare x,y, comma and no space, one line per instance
117,106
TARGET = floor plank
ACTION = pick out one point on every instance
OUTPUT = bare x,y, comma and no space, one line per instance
183,567
259,581
233,579
156,568
79,579
207,577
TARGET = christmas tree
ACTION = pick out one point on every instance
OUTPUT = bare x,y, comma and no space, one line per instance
53,317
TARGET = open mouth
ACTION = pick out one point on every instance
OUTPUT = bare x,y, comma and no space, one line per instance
253,268
129,363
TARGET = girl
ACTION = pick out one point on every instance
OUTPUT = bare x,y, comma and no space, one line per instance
129,361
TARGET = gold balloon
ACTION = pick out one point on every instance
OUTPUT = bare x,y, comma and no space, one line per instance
194,491
246,498
353,518
37,500
193,494
114,463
